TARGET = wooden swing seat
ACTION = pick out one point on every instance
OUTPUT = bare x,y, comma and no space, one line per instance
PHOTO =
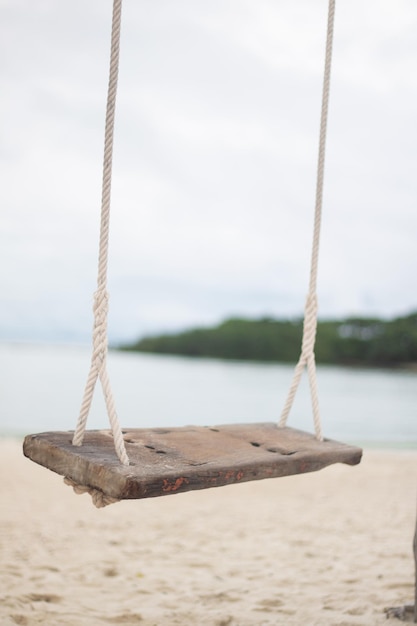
165,461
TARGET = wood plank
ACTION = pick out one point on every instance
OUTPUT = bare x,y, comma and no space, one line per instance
165,461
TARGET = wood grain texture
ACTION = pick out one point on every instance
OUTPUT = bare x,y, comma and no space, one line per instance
165,461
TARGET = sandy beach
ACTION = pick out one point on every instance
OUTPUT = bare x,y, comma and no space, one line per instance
330,548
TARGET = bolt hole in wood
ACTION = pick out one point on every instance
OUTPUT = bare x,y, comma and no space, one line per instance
255,444
281,451
149,447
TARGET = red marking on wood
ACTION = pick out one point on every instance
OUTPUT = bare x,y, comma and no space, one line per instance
169,486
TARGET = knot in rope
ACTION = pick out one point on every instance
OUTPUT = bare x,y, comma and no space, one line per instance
309,327
100,310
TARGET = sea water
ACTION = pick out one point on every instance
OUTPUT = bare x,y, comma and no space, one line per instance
41,388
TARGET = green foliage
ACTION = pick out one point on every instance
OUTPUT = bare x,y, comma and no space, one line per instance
353,341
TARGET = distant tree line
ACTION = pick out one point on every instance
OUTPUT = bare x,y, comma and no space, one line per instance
352,341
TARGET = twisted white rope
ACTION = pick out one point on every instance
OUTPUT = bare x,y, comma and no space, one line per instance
98,368
99,498
307,357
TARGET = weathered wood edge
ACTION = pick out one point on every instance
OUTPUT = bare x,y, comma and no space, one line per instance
110,477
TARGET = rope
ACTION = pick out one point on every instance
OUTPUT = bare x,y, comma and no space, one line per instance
307,358
100,499
98,368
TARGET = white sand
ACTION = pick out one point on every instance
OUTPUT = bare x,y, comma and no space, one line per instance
330,548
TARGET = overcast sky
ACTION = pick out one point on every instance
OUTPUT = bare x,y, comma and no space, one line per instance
215,161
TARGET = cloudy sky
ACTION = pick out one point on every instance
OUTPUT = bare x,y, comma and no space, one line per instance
214,165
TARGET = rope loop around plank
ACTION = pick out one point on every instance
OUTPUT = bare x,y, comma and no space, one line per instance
100,499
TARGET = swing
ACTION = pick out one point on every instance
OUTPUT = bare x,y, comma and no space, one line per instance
118,464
